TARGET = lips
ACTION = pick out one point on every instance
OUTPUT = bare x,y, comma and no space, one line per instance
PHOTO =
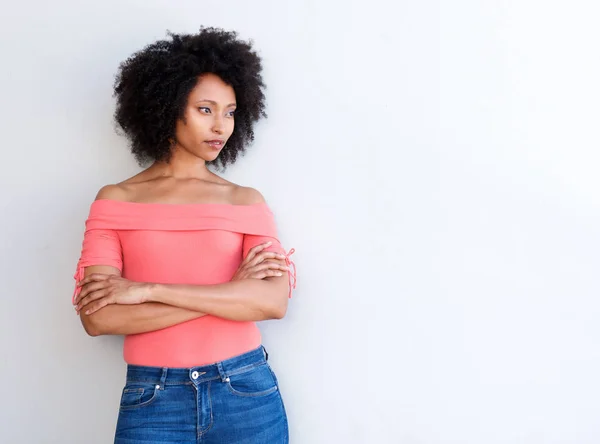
215,143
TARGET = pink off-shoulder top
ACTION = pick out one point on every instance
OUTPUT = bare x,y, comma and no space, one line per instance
195,244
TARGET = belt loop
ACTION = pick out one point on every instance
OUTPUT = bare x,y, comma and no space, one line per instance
163,377
222,373
265,352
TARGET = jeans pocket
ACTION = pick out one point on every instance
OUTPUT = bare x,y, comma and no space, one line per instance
136,395
257,381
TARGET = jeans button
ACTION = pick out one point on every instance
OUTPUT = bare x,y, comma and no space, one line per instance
195,375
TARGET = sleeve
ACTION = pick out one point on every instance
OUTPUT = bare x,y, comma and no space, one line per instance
251,240
100,247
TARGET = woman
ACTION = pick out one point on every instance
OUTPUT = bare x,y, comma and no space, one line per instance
182,261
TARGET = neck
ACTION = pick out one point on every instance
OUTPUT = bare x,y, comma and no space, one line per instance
182,165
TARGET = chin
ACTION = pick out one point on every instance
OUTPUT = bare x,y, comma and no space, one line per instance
205,154
209,157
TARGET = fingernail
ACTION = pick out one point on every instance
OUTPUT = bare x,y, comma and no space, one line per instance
87,312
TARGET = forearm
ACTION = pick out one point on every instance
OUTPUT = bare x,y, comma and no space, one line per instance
243,300
118,319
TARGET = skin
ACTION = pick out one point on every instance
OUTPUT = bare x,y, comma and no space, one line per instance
111,304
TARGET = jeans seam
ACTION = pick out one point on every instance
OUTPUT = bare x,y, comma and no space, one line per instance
154,381
203,432
244,369
200,381
139,390
143,404
251,394
287,431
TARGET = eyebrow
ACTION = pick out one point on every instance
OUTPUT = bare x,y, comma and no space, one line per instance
215,103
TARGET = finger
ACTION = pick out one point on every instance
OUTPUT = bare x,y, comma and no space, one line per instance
271,255
264,255
255,250
266,265
89,288
98,305
94,277
265,274
91,298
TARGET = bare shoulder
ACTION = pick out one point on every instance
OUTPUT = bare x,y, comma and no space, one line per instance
247,196
112,192
124,190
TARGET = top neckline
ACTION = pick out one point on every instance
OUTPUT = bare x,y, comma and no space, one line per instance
124,215
178,205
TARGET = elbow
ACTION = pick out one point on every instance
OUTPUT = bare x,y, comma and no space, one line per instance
279,314
269,302
278,309
91,330
93,333
267,310
91,325
278,303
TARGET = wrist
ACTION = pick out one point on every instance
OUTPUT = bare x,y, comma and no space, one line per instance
152,292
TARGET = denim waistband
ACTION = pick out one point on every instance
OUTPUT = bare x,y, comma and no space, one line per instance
220,370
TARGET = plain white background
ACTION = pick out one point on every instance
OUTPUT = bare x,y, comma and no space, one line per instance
433,163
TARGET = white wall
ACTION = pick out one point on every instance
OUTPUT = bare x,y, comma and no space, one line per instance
433,163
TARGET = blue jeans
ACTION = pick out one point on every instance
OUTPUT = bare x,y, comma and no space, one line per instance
236,401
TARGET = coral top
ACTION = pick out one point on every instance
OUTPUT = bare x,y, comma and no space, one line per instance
195,244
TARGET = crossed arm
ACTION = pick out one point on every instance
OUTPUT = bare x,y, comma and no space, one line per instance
111,304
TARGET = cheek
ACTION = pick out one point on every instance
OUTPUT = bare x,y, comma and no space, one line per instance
230,125
194,130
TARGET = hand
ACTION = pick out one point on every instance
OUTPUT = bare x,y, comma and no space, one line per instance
99,290
257,265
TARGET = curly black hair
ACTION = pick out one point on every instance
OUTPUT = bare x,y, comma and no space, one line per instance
152,88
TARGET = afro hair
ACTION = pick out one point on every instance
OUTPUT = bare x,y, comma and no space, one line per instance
152,88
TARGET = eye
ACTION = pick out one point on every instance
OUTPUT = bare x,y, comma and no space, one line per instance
203,107
231,113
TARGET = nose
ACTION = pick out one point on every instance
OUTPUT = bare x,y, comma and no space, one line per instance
218,125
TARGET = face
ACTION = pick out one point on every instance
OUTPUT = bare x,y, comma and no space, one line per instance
208,119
